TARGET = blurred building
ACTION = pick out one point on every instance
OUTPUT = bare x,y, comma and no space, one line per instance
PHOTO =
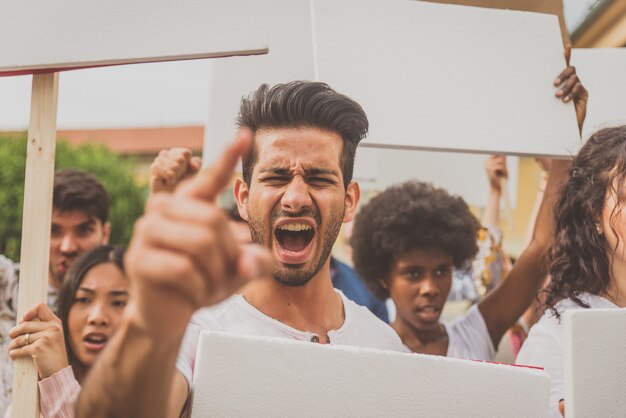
142,144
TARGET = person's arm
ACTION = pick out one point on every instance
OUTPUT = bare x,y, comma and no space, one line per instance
135,376
495,166
58,394
533,313
505,304
182,257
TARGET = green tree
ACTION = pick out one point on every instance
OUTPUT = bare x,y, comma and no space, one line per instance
127,198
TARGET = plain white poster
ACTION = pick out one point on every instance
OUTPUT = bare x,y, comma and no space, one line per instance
64,34
248,376
595,364
448,77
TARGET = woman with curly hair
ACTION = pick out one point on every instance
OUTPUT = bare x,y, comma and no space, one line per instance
588,256
407,241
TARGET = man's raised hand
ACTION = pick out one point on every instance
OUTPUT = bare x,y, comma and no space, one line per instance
183,256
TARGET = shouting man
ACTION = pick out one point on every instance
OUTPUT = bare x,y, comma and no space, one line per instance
296,192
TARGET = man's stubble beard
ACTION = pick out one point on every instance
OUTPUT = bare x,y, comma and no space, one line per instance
293,275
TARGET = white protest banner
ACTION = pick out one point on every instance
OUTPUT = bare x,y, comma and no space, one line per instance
247,376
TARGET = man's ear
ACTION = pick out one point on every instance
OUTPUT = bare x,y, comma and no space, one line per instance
106,229
241,197
353,197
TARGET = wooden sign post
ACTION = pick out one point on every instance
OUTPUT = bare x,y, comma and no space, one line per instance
41,37
35,251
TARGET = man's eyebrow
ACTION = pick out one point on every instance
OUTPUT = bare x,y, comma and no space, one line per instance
277,170
320,171
308,172
86,223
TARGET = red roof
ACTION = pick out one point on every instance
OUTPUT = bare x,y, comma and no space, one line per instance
138,141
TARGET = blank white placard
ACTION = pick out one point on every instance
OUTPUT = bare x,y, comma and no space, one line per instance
602,71
38,35
247,376
448,77
475,80
595,363
291,58
459,174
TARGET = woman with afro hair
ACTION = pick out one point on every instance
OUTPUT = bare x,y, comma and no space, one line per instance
408,239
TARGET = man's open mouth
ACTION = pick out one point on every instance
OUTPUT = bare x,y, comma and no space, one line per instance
294,239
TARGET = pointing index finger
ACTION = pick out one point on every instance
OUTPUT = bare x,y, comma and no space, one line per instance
209,182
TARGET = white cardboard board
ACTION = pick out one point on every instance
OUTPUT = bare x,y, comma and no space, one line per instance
602,72
514,113
38,35
448,77
248,376
460,174
595,363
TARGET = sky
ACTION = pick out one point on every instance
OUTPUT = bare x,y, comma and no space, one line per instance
141,95
159,94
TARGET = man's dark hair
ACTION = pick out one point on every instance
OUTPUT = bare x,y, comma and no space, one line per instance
410,216
304,104
79,190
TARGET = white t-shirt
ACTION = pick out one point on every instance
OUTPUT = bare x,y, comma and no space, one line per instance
468,337
544,346
360,328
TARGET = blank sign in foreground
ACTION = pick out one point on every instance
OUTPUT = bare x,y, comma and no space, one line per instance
247,376
595,363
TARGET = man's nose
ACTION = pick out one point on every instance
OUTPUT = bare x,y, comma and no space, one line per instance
68,244
296,196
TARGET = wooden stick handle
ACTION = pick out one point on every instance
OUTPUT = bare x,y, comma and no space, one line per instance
35,252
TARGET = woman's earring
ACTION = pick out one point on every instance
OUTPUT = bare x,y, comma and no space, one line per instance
599,230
